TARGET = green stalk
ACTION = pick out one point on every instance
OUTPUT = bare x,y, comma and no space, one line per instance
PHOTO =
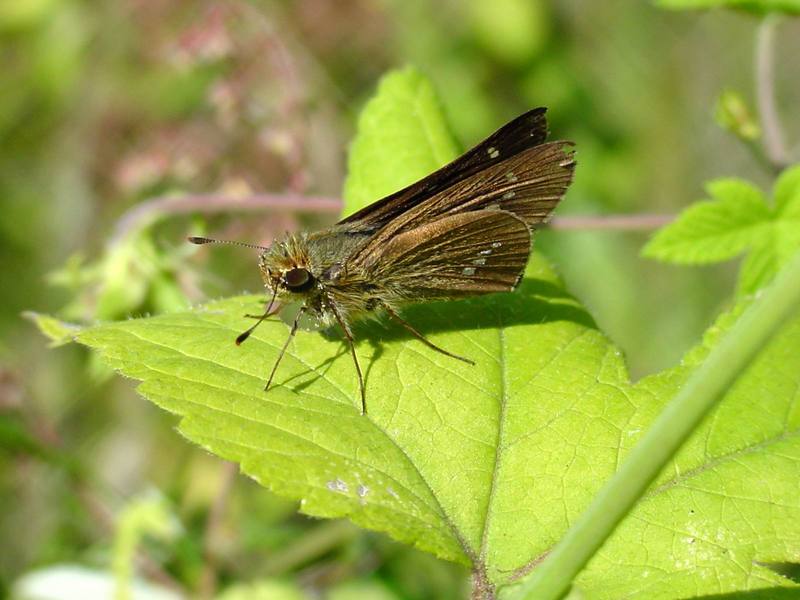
707,384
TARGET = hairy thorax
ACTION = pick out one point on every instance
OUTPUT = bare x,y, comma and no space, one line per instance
313,269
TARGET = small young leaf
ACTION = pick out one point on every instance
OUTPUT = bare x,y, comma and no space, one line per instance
402,136
714,230
733,114
146,516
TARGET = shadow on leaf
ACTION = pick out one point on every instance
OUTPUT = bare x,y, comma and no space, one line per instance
534,302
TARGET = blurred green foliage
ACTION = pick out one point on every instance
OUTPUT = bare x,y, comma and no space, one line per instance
107,105
753,6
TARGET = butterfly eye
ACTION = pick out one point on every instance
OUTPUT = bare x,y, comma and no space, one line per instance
298,280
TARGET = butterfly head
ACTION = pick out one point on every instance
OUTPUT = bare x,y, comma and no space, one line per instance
286,270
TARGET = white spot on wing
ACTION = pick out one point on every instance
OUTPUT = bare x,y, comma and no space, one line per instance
479,261
511,177
485,252
468,270
492,152
508,195
496,244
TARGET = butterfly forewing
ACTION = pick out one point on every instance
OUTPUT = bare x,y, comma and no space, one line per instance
528,184
526,131
457,255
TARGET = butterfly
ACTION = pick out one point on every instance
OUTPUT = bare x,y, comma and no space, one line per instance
464,230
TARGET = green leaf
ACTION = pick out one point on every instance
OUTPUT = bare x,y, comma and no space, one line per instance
715,230
712,380
305,439
754,6
726,506
488,463
737,220
763,594
402,136
485,465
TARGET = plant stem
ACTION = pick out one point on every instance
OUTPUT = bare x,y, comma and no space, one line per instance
610,222
774,146
149,211
707,384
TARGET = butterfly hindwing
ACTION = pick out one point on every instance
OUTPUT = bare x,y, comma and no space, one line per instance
457,255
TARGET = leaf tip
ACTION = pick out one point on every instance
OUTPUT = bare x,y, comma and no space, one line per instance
57,331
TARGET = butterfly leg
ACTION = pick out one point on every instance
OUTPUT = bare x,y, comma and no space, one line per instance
349,336
408,327
267,313
285,345
246,334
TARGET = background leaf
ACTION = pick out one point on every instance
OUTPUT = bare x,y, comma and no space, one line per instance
787,193
776,244
713,230
514,31
754,6
737,220
402,137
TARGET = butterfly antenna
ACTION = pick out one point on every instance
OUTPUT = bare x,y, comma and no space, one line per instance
204,240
